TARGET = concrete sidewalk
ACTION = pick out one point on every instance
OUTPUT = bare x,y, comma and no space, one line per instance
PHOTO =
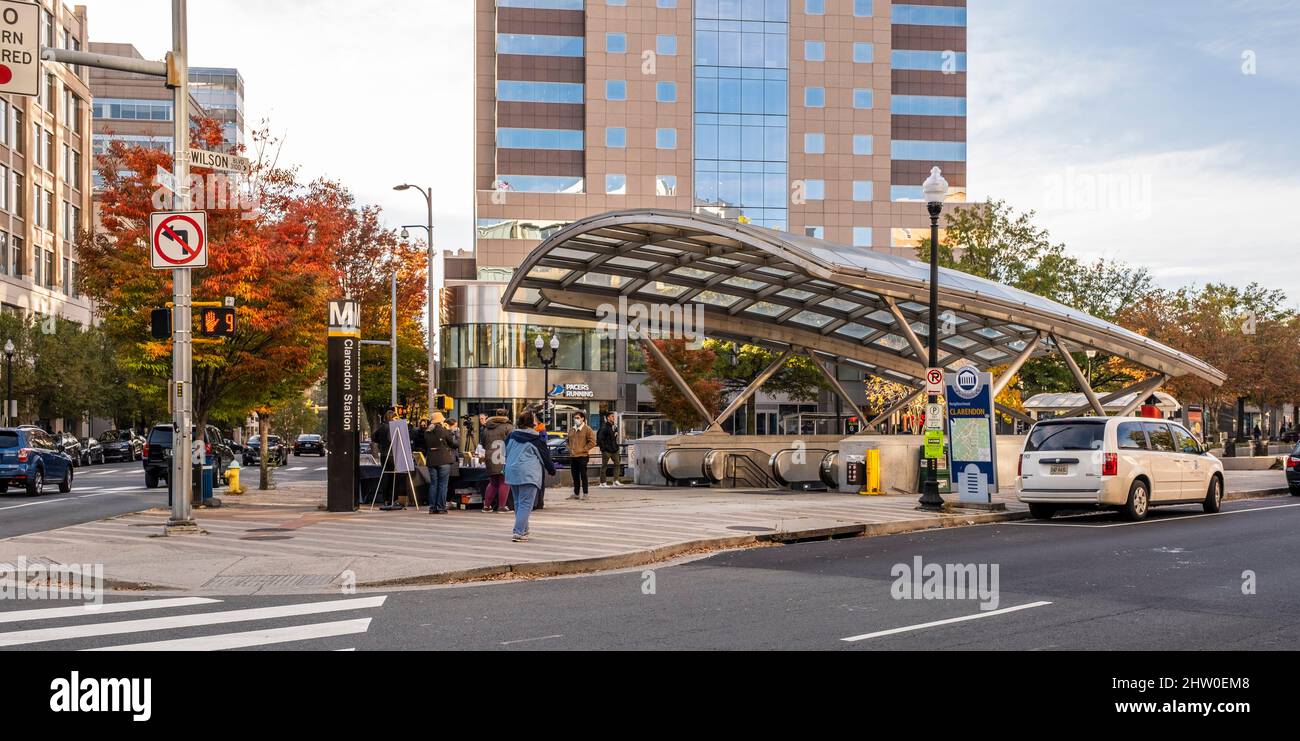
282,542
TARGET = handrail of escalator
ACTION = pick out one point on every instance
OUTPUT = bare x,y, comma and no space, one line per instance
831,469
776,473
663,469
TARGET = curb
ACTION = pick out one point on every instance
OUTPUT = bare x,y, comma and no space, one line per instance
541,569
1256,494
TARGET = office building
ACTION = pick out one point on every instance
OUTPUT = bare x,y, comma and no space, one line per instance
816,117
45,191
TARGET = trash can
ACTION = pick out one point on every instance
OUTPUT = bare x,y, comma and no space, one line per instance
207,477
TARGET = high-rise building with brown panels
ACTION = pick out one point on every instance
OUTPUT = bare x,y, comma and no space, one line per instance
812,116
818,117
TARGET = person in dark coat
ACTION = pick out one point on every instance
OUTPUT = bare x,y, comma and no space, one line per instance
493,439
442,453
383,442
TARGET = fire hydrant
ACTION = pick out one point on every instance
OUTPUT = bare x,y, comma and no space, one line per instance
232,478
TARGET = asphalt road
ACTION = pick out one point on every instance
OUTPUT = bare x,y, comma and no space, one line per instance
1089,582
110,489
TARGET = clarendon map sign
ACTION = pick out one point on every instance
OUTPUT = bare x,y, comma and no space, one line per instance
972,440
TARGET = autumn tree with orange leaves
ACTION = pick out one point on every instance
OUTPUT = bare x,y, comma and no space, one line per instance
274,261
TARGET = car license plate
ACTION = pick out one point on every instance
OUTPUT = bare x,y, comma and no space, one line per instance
1058,469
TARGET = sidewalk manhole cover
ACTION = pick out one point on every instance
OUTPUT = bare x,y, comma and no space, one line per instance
750,528
267,537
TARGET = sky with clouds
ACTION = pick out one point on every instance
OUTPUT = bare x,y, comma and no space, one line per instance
1162,132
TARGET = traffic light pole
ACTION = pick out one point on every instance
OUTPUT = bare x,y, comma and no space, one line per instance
182,483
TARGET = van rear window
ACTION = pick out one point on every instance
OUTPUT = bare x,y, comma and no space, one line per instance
1066,436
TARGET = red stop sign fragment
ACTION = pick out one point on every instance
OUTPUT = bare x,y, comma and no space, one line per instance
6,74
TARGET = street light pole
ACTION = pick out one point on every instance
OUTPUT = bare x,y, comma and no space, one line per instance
435,294
935,189
9,381
393,341
181,478
547,362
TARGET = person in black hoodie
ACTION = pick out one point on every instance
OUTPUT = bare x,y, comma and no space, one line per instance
442,453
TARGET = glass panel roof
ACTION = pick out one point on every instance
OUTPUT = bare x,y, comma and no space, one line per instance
766,308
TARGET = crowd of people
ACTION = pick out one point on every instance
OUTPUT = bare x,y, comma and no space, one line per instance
515,457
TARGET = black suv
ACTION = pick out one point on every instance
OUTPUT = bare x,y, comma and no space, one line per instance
158,450
276,455
69,444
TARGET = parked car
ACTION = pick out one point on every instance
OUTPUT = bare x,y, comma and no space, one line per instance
277,454
68,443
1293,471
29,457
234,446
122,445
158,453
91,451
1125,463
306,444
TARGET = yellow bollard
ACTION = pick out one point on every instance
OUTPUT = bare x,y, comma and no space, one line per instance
871,487
232,478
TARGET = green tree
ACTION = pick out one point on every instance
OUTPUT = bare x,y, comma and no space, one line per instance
737,365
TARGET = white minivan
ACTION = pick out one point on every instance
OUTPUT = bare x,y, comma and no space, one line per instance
1127,463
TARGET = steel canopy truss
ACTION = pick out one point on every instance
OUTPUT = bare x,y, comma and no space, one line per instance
786,291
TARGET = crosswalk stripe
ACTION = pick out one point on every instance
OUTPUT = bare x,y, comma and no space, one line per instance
296,468
50,613
249,638
22,637
321,468
127,488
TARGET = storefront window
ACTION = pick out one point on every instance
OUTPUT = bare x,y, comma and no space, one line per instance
513,346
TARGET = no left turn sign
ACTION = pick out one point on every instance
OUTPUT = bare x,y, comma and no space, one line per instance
179,239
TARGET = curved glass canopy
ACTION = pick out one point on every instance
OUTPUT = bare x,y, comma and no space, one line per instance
782,290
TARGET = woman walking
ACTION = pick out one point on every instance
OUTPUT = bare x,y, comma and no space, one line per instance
527,464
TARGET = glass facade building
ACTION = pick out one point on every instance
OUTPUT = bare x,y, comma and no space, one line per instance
742,110
220,90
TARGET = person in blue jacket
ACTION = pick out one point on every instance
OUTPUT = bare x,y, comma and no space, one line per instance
528,461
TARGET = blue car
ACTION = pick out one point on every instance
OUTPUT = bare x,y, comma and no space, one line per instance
31,458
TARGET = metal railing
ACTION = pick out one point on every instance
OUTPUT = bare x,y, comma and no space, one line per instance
739,466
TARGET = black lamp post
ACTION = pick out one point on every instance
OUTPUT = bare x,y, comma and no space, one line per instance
935,189
547,362
9,379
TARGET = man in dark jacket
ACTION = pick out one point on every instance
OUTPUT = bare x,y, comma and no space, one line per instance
442,453
607,441
493,439
382,440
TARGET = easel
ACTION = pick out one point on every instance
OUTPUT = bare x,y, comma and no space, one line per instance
395,440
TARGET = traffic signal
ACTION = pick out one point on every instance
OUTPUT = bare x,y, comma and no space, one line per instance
217,322
160,323
443,403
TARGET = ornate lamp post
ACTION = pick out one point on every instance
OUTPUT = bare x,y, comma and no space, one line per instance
935,189
547,362
9,380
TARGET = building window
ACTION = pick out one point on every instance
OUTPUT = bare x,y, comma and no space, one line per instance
814,143
927,15
814,7
539,45
862,98
928,61
818,232
540,184
18,197
67,283
539,92
815,190
4,253
862,8
665,138
19,263
49,268
665,3
666,45
666,185
616,43
814,51
927,105
4,188
616,185
666,92
569,139
814,97
937,151
862,190
37,265
616,137
906,193
615,89
864,52
19,132
128,109
861,236
4,123
616,2
72,279
863,143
